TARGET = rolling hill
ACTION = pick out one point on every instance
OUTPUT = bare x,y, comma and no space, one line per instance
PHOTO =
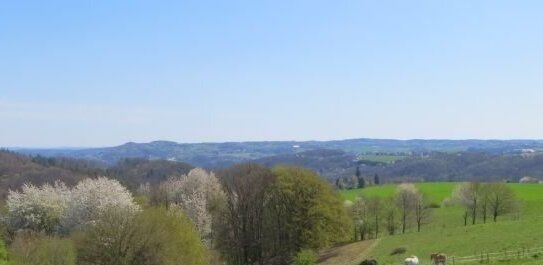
216,155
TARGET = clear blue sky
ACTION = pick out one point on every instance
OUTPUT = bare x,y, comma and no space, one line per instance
100,73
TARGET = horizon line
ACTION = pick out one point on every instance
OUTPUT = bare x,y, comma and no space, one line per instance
268,141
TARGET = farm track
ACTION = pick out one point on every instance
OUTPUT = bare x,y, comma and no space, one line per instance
350,254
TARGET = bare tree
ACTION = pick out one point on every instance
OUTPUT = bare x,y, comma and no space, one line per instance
361,218
468,195
241,237
391,215
422,211
405,199
485,193
375,207
502,200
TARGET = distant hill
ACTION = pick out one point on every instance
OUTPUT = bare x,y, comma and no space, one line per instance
218,155
15,170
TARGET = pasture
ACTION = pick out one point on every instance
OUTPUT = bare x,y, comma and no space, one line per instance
447,233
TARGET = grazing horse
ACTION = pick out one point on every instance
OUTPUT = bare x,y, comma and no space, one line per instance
413,260
369,262
438,258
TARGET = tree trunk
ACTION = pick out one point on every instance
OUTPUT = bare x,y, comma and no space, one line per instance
376,226
404,220
474,213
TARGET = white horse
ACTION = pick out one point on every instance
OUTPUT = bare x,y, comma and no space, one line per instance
413,260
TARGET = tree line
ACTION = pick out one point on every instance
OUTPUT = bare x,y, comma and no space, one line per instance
484,201
357,181
410,209
243,215
373,216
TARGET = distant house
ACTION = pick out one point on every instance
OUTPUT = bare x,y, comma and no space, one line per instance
529,180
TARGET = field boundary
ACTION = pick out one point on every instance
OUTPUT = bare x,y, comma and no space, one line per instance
487,257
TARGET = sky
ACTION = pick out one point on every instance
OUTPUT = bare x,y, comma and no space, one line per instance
102,73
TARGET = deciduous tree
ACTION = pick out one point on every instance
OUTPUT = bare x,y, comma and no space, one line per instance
406,198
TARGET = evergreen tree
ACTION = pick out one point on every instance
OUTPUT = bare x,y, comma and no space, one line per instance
361,182
376,180
357,171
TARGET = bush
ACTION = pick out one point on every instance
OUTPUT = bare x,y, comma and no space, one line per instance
305,257
3,253
434,205
151,237
447,202
398,251
30,249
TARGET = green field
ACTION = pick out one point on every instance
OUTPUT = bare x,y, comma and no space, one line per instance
446,233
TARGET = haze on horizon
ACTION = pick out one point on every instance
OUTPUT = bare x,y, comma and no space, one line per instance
104,73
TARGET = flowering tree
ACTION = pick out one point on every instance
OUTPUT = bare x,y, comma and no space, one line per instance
197,194
92,197
50,207
37,208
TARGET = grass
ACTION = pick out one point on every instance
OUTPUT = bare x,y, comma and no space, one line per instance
435,191
446,233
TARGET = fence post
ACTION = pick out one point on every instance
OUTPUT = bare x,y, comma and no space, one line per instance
454,263
487,257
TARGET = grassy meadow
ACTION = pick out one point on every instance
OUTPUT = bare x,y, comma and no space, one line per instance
446,232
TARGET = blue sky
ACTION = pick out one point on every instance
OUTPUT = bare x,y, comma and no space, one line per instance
99,73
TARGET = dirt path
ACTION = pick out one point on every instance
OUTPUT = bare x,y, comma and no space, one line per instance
350,254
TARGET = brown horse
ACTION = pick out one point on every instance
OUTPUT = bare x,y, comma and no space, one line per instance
438,258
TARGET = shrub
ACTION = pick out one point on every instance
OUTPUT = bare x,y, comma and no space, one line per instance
434,205
305,257
3,253
30,249
447,202
398,251
154,236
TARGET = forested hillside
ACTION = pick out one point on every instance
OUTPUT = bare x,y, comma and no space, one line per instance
435,166
17,169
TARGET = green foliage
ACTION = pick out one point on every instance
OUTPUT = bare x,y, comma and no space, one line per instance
3,253
154,236
305,257
313,216
29,249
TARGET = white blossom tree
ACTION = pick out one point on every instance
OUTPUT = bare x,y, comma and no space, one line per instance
198,193
37,208
92,197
